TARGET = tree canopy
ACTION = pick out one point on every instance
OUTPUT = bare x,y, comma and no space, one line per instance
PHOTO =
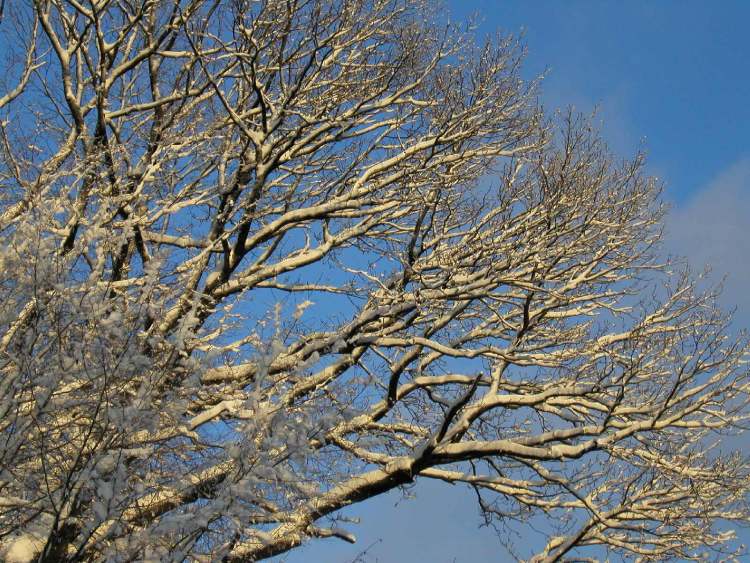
266,259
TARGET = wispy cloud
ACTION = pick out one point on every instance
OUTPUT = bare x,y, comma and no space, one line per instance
712,229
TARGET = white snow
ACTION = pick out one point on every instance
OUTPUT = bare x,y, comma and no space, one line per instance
23,550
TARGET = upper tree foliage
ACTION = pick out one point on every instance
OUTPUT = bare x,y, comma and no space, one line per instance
265,259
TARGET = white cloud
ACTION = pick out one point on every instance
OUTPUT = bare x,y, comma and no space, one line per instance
712,229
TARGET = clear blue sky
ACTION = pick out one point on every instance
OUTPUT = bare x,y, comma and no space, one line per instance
674,75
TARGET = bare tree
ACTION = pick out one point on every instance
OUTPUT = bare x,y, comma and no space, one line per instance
266,259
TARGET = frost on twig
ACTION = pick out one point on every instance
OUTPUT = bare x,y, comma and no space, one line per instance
263,261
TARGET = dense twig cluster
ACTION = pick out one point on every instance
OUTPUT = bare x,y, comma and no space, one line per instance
265,259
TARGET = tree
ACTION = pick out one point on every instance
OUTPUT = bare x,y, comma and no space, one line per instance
266,259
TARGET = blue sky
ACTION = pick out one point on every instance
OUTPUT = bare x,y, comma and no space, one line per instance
671,76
